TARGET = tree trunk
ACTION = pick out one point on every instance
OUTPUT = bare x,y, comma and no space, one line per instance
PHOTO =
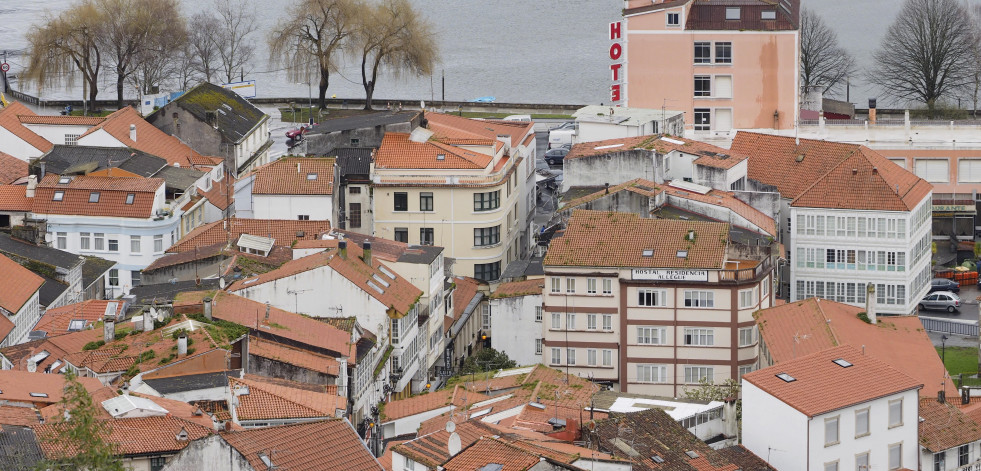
119,91
369,91
324,81
93,91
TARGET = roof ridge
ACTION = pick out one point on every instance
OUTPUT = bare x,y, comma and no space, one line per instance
827,320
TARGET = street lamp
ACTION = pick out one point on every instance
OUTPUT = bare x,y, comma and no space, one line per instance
943,349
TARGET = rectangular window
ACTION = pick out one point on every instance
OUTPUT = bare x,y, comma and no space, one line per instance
590,321
832,466
538,313
556,321
703,85
114,277
745,369
591,356
58,196
84,240
425,201
674,19
538,346
747,336
591,286
570,356
114,245
652,297
484,236
302,217
354,190
556,357
401,201
486,317
134,244
895,412
130,197
487,271
651,335
939,461
651,373
570,321
861,422
607,357
354,215
62,240
426,236
963,454
570,285
768,15
831,431
723,52
699,337
896,456
100,241
862,462
94,197
136,278
158,463
765,285
703,121
402,234
556,284
607,286
487,201
608,322
158,243
695,298
732,13
703,52
696,374
747,298
933,170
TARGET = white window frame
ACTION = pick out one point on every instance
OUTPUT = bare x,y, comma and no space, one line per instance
607,357
973,173
556,321
648,335
158,244
647,297
747,336
748,298
672,15
590,285
539,313
555,358
859,414
699,337
538,346
135,244
896,414
570,321
570,285
699,299
832,431
608,322
591,321
556,284
61,240
703,372
652,373
607,286
570,356
591,357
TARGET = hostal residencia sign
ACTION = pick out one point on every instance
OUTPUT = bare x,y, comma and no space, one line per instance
670,275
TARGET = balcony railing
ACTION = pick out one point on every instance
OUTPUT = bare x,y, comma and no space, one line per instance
745,274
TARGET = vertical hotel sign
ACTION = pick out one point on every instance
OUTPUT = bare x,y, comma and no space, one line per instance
616,52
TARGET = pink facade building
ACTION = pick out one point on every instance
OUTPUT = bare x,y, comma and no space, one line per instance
728,64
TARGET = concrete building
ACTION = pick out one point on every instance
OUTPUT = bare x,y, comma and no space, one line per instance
835,409
364,131
726,65
460,184
352,190
299,188
653,306
851,215
516,315
219,122
19,302
599,123
947,447
467,314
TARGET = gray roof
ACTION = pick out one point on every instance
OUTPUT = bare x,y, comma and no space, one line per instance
19,448
94,268
352,161
179,178
62,159
49,255
235,115
523,268
381,118
166,292
176,384
50,290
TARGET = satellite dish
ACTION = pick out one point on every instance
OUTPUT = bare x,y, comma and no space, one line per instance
451,426
221,282
454,444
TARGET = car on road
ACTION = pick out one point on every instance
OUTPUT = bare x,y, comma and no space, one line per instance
556,156
941,300
943,284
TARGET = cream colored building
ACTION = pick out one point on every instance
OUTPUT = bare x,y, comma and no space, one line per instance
652,305
460,184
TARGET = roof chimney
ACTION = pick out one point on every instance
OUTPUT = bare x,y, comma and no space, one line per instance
148,317
31,186
132,132
342,249
109,328
875,170
207,309
870,302
941,396
854,171
965,395
367,252
182,345
267,311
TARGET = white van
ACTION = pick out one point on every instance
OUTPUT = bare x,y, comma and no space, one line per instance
518,117
562,134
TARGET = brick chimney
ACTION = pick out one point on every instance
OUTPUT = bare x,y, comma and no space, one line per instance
31,186
109,328
367,252
132,132
342,249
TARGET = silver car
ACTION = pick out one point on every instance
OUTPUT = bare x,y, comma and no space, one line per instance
941,300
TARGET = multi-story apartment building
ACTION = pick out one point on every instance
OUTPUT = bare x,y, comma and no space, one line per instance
837,409
652,305
293,188
852,216
728,64
460,184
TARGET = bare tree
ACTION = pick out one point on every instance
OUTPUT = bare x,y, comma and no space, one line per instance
925,54
823,62
236,22
166,32
394,36
310,38
974,84
203,48
64,45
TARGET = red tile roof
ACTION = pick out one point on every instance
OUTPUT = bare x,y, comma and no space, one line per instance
10,120
822,386
519,288
465,290
148,138
397,151
56,321
830,174
819,324
6,327
267,401
426,402
61,120
458,127
944,426
221,194
302,446
488,450
708,154
113,193
293,356
291,176
131,436
14,198
17,386
11,168
284,231
609,239
19,285
18,415
432,450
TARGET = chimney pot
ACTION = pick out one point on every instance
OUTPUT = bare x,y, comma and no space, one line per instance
109,328
367,252
342,249
941,396
854,171
207,308
31,186
182,345
875,170
132,132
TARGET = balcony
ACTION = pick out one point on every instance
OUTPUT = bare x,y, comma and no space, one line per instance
750,273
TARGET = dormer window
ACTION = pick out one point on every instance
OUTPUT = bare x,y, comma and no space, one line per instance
311,176
94,197
58,196
130,197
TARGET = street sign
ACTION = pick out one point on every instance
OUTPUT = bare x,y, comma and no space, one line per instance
444,371
5,67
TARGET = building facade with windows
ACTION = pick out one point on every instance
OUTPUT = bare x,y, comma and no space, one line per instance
837,409
726,64
652,305
462,185
293,188
516,319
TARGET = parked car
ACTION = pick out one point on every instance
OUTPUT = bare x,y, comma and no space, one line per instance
944,300
556,156
943,284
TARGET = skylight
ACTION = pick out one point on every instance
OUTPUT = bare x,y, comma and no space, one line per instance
842,362
648,252
657,459
76,324
376,287
94,197
380,280
691,454
130,197
440,156
64,180
34,394
58,196
682,254
386,272
786,377
311,176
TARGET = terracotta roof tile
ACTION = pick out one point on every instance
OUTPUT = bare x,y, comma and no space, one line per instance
10,120
61,120
18,415
708,155
222,193
430,401
450,126
519,288
132,436
387,249
638,185
11,168
14,198
181,258
57,321
823,386
944,426
113,193
488,450
291,176
397,151
266,401
6,327
301,446
605,239
17,386
284,231
19,285
897,341
148,138
293,356
465,290
432,450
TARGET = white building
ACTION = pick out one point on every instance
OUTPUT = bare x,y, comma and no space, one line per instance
597,123
945,446
837,409
516,313
125,220
291,188
19,303
850,216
